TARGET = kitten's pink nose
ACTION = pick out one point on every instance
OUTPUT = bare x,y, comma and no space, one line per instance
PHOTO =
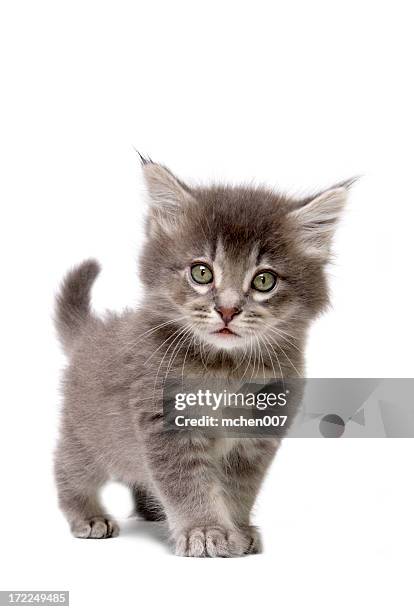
227,314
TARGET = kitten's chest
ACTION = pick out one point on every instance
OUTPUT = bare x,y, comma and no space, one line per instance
222,447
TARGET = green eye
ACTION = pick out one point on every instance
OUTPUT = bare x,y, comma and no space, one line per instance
201,274
264,281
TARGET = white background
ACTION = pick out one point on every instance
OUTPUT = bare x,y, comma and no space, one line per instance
293,94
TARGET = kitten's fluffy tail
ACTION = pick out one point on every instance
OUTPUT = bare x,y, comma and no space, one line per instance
73,301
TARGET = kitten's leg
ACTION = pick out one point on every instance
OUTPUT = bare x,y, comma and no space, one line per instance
243,471
146,505
188,485
78,480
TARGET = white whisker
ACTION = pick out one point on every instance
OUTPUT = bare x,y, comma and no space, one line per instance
278,332
177,331
287,357
250,358
277,357
271,360
165,354
176,350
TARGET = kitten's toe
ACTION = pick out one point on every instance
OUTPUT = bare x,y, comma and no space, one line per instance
97,527
217,544
253,534
212,542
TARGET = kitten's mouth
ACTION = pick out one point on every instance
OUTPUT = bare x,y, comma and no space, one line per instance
225,331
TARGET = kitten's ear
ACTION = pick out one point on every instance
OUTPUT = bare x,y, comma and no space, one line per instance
168,197
316,220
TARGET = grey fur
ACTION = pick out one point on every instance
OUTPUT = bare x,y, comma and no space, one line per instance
112,424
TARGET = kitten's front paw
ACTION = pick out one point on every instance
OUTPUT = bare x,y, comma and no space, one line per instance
212,542
97,527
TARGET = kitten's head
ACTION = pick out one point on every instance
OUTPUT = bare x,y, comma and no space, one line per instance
236,266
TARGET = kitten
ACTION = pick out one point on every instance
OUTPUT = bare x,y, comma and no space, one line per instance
225,271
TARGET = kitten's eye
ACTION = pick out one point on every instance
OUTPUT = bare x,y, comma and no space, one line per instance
264,281
201,274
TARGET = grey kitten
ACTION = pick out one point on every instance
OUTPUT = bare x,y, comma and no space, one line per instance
226,271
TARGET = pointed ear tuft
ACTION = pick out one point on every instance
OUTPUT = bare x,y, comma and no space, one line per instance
168,197
316,221
348,183
144,160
